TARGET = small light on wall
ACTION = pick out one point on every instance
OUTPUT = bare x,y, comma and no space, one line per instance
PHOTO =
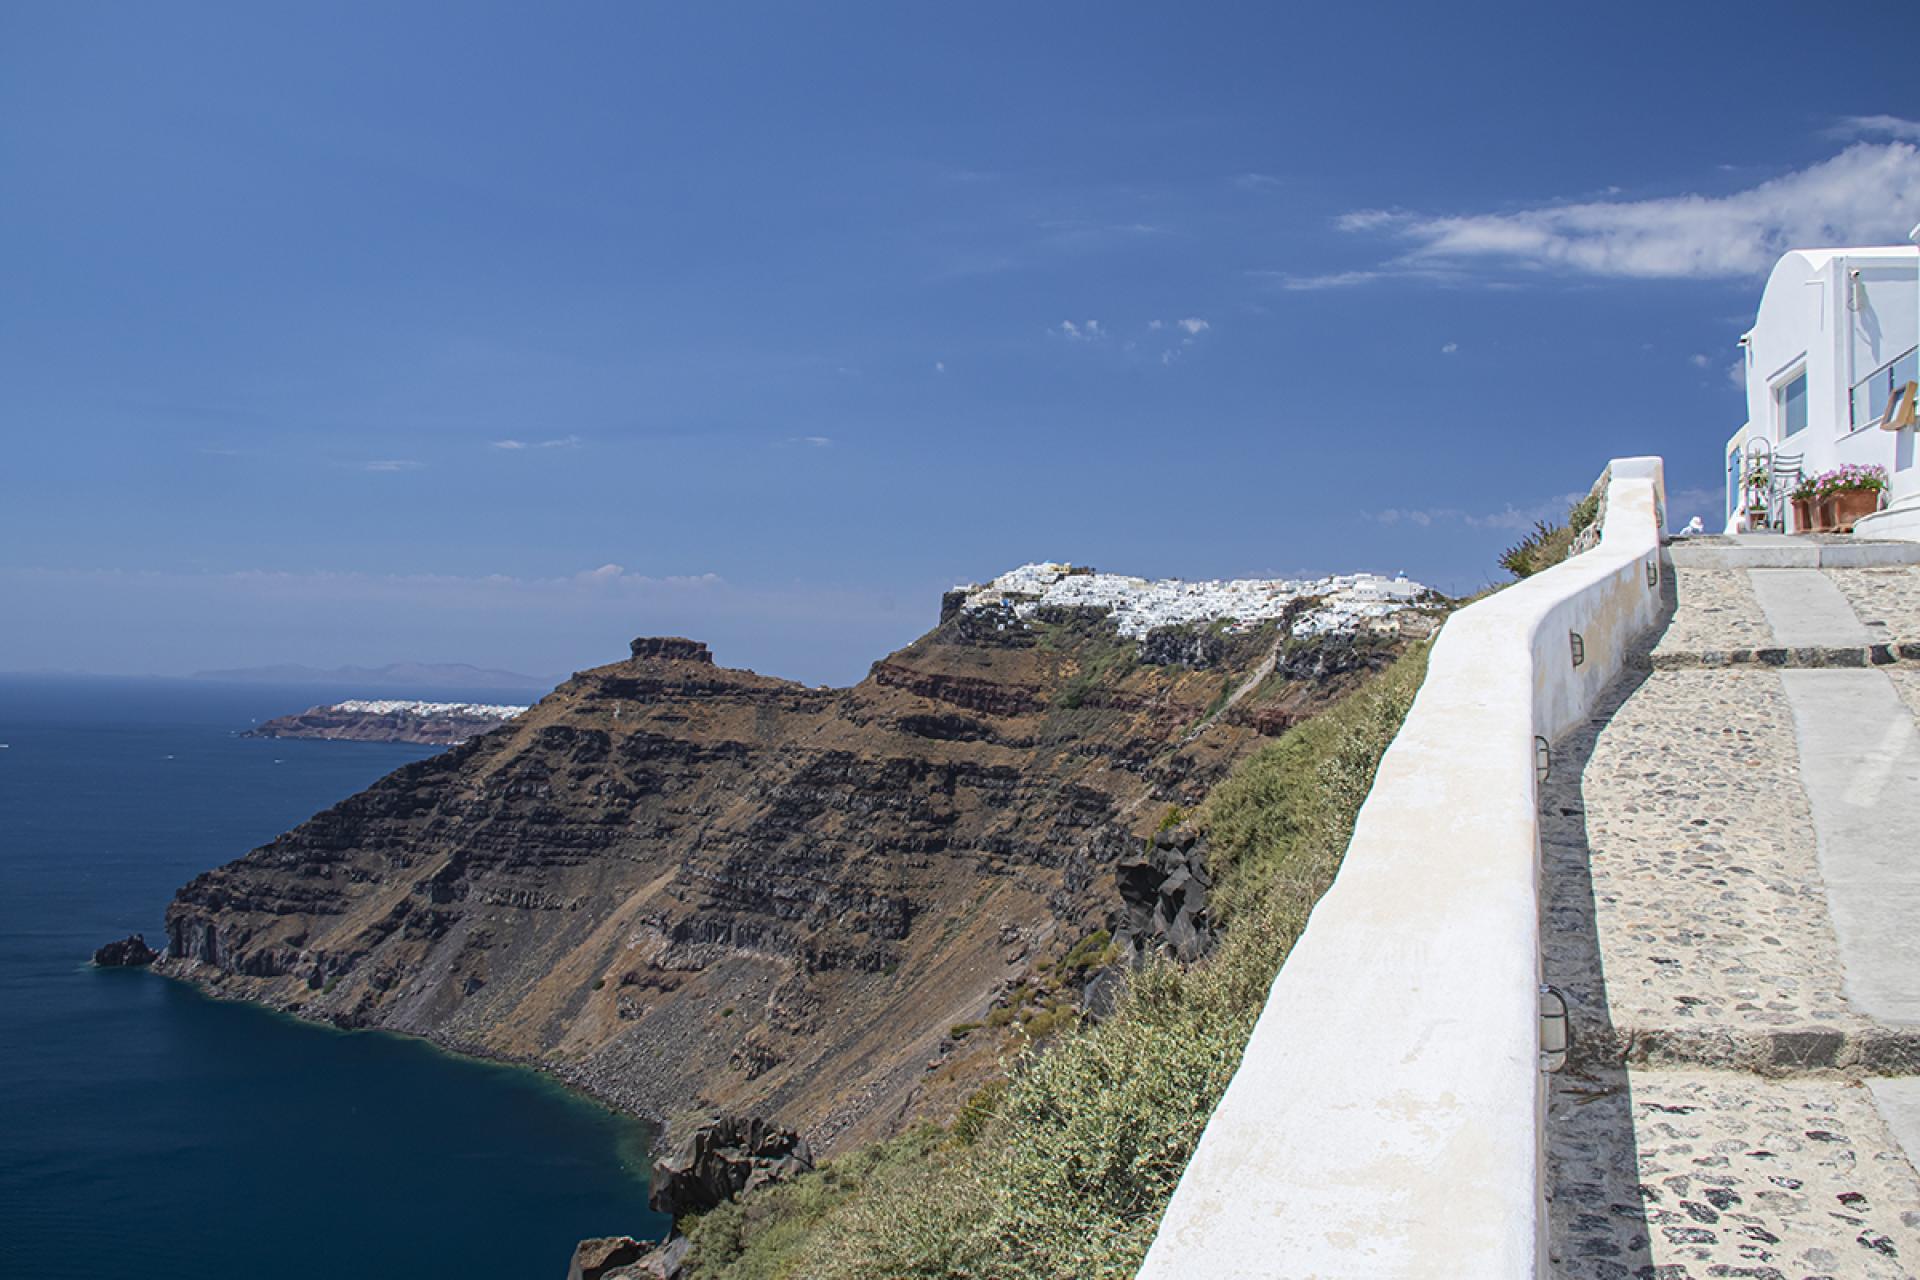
1542,758
1556,1029
1579,647
1653,572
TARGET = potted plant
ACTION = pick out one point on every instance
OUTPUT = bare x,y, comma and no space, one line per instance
1756,503
1850,492
1803,498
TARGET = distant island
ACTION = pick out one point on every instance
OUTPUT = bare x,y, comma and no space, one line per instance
427,723
413,676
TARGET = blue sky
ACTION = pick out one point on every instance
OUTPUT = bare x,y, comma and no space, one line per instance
499,334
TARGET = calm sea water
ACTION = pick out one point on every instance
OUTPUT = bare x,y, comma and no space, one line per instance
146,1130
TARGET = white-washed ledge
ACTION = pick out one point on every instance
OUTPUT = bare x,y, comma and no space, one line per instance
1386,1120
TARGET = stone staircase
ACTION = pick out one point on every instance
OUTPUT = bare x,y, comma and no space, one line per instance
1731,906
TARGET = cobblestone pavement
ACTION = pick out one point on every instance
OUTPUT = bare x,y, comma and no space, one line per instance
1716,611
1890,597
1686,857
1684,1174
1712,1121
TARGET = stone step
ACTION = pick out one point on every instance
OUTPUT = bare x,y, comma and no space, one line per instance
1780,552
1685,916
1802,657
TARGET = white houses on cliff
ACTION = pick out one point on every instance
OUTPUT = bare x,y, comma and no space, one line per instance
1833,343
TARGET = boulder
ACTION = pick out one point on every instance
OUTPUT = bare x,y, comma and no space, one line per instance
1164,895
605,1257
131,952
624,1258
723,1157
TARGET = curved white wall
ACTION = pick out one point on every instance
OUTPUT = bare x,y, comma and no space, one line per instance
1386,1119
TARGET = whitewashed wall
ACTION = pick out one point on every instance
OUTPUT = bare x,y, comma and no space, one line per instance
1810,310
1386,1121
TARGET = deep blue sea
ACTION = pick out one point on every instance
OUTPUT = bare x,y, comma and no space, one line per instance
148,1131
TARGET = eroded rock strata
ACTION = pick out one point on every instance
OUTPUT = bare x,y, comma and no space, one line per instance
681,886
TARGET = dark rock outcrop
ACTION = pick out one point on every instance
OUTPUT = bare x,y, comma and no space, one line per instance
624,1258
671,649
722,1158
606,1257
1188,646
131,952
1164,893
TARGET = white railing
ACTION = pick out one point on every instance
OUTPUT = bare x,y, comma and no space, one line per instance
1387,1118
1868,400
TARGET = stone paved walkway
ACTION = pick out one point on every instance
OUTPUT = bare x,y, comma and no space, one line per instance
1728,1109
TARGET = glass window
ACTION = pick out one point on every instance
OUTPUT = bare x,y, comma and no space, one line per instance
1793,405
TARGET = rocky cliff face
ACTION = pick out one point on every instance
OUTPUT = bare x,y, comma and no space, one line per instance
682,886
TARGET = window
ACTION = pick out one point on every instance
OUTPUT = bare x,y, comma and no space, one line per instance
1792,400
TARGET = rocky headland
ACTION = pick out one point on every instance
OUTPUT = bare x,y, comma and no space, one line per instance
385,720
683,887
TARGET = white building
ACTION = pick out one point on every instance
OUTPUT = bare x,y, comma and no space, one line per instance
1834,337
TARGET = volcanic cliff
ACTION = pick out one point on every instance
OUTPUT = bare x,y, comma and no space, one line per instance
681,886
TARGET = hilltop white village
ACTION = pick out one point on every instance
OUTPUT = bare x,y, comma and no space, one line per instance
1346,602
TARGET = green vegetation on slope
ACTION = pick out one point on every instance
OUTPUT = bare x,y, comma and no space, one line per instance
1063,1170
1549,544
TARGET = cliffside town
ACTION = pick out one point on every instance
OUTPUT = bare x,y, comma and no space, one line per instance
389,720
683,886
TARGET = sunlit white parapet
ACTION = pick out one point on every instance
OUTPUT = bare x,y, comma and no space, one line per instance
1347,602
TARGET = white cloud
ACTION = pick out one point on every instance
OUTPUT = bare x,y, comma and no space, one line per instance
392,464
812,442
1255,181
1195,325
1448,348
1366,219
1698,361
1877,126
1088,332
1331,280
1552,510
939,366
1154,326
1866,194
559,442
1737,373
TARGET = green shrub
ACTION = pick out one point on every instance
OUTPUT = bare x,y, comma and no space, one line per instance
1087,952
1549,544
978,1111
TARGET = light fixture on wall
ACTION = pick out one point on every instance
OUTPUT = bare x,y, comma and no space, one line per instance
1556,1029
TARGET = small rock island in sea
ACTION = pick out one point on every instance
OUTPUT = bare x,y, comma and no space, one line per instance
428,723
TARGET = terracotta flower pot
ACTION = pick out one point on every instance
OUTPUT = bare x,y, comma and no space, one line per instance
1851,504
1802,514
